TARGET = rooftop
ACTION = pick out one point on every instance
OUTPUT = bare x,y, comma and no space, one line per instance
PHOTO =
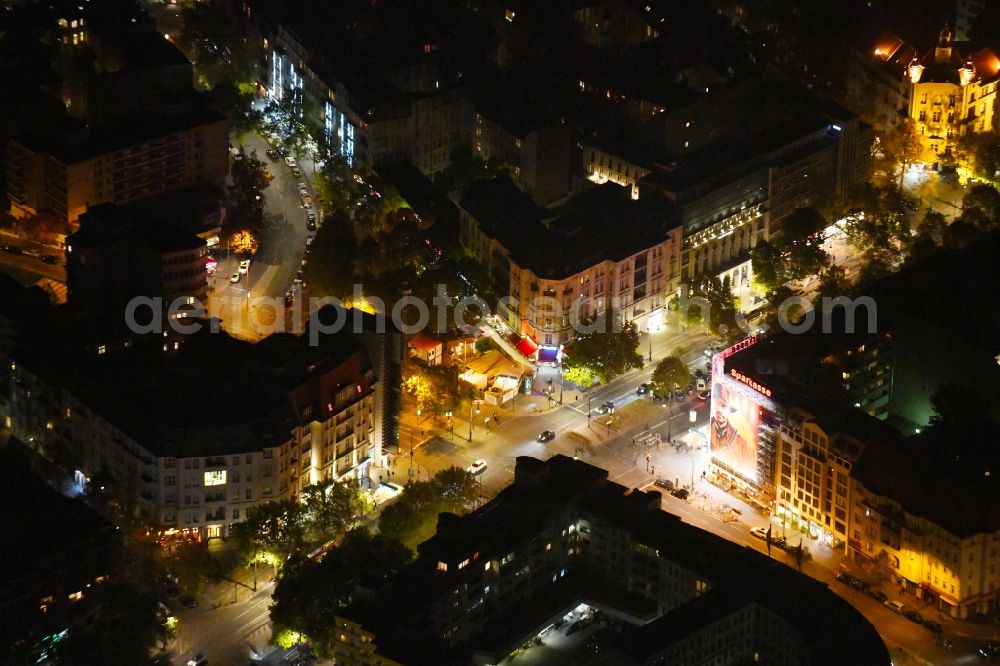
561,490
603,223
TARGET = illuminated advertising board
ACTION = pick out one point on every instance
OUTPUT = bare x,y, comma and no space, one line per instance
734,427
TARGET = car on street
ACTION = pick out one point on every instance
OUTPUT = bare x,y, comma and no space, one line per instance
914,616
894,606
235,277
476,468
50,259
643,389
273,154
989,651
666,484
244,266
933,627
546,436
297,172
761,533
606,408
311,225
699,384
31,252
704,395
307,201
290,161
680,493
679,397
289,298
302,188
309,240
188,601
197,660
878,595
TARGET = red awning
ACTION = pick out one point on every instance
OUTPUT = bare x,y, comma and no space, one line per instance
527,346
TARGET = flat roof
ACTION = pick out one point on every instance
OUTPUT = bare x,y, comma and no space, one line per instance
600,224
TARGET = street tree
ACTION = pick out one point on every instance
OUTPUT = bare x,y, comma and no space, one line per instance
310,593
671,373
247,192
457,487
276,527
330,270
243,243
610,350
714,307
768,266
330,507
218,45
902,147
833,282
434,387
986,200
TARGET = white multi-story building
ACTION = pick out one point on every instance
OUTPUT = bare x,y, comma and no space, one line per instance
200,479
602,249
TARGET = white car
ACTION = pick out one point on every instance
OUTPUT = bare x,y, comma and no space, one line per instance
302,188
290,161
759,532
476,468
244,266
235,277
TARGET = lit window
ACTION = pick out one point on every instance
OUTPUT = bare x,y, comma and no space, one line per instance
442,566
509,14
76,596
217,478
464,563
102,349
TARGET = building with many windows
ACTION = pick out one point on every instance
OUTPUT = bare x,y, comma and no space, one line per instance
555,268
194,463
564,538
951,94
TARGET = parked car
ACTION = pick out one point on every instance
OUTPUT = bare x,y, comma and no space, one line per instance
761,533
290,161
606,408
289,298
680,493
297,172
235,277
878,595
664,483
273,154
302,188
914,616
244,266
679,396
895,606
704,395
989,651
699,384
31,252
933,627
188,601
311,224
476,468
50,259
642,389
546,436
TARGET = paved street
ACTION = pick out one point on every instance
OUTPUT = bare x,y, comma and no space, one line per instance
277,260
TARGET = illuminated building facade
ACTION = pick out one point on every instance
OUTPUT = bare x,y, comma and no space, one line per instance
602,248
951,95
191,478
564,536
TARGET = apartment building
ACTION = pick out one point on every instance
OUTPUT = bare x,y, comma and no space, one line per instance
117,253
67,178
555,268
141,426
939,543
565,538
951,95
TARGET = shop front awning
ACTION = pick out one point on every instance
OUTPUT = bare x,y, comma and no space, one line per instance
527,346
548,355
